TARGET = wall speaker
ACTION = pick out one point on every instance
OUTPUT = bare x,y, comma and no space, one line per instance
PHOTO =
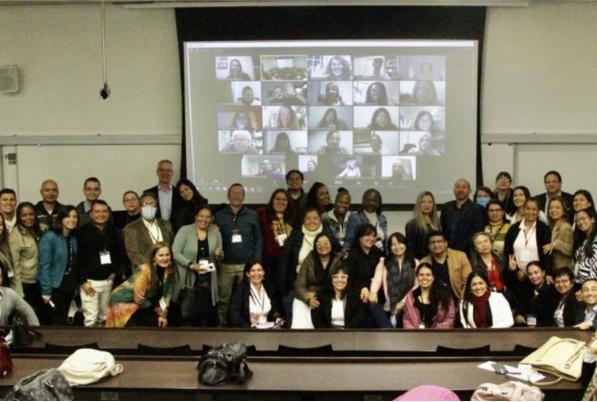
9,79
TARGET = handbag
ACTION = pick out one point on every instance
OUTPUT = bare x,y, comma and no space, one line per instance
5,359
23,334
44,385
561,357
226,363
86,366
508,391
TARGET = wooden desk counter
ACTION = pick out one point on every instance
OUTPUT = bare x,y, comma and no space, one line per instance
341,340
293,374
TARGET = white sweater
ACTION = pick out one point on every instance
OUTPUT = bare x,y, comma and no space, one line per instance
501,313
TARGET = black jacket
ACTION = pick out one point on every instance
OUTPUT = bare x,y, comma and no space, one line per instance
361,266
574,311
416,240
91,242
239,314
542,200
460,224
289,259
541,303
355,313
176,201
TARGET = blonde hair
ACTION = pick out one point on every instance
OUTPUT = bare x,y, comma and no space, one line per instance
418,215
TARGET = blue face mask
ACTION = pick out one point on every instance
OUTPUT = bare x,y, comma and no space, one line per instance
148,212
483,201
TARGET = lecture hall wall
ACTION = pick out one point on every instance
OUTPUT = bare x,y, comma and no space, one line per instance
539,87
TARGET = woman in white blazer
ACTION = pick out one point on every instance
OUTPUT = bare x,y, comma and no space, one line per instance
482,308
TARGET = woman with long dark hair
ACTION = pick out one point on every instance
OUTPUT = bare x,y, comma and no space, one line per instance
395,274
481,307
191,200
57,273
276,220
318,197
370,212
586,254
430,304
339,305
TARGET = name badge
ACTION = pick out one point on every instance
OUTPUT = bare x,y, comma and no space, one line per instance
281,239
237,238
203,262
422,325
525,255
105,258
531,321
163,304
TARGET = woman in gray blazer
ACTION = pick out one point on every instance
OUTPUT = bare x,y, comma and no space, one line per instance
196,249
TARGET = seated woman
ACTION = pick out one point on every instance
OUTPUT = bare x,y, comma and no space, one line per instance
143,299
253,303
11,302
486,261
339,305
430,304
569,310
536,305
586,253
396,274
587,315
311,278
482,308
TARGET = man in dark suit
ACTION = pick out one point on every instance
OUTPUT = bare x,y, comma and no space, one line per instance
168,197
553,187
141,235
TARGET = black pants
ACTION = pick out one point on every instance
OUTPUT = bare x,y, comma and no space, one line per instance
143,317
206,314
62,298
32,293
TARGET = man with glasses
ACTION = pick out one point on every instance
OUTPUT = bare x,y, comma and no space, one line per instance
503,192
168,197
241,240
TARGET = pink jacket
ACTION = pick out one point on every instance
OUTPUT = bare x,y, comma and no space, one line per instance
412,317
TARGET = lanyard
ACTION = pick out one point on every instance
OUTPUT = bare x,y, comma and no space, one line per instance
528,236
260,302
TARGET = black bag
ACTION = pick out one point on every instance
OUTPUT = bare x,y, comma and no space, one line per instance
44,385
23,334
188,299
227,363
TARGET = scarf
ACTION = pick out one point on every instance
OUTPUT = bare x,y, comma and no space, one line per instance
308,244
480,306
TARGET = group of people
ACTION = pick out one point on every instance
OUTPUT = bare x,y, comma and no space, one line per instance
500,259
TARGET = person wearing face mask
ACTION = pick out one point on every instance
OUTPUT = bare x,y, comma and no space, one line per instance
57,275
482,196
482,308
142,234
97,263
372,213
461,218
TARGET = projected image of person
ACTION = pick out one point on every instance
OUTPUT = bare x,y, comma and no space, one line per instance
282,145
424,93
241,121
426,71
330,121
425,147
423,121
248,97
392,68
235,71
338,69
287,118
332,95
287,94
268,170
312,171
240,142
352,169
401,169
377,145
381,120
376,94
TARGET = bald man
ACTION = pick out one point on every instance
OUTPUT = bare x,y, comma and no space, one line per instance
48,208
461,218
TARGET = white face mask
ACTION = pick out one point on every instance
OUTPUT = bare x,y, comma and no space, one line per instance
148,212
